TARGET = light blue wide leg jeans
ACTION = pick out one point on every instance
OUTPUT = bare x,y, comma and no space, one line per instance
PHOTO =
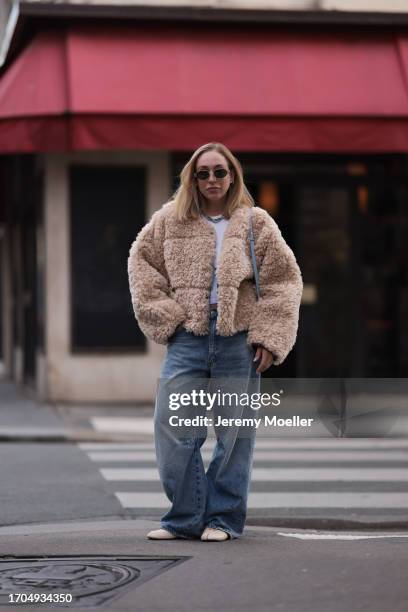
216,497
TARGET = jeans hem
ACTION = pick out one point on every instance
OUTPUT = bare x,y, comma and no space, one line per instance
232,534
179,534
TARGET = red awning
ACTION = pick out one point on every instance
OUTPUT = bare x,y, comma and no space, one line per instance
172,88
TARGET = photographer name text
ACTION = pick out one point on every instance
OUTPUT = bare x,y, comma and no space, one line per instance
273,421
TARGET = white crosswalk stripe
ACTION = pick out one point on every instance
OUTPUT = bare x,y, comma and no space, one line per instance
287,500
276,443
306,466
289,456
279,474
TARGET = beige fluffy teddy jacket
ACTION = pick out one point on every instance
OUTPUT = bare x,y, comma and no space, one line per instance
170,269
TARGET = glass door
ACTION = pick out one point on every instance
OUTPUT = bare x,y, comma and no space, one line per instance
328,340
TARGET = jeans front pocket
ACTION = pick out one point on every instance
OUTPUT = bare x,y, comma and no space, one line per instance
180,330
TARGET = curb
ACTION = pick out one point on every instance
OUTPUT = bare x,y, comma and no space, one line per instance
118,524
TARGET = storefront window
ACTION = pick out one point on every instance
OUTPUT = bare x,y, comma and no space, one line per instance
107,212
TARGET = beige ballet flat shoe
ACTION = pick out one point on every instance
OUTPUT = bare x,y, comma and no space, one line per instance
210,534
161,534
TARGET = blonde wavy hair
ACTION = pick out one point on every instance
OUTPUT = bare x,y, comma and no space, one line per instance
188,200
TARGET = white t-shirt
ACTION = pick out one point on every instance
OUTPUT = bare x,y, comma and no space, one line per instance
220,228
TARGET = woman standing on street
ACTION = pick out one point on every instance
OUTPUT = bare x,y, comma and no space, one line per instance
192,285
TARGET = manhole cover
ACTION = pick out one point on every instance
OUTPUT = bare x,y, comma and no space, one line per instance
74,581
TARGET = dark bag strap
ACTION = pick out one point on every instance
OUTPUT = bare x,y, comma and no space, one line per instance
252,249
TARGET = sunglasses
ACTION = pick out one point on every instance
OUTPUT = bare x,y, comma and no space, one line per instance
219,173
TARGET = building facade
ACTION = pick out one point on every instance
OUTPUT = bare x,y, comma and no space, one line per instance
101,104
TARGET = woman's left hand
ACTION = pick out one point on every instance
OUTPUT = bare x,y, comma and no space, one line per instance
266,359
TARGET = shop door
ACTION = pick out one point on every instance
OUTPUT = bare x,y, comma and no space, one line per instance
329,343
351,238
317,216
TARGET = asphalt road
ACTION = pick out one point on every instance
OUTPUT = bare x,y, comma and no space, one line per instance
51,481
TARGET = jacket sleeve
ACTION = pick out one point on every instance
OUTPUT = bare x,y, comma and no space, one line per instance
274,321
157,313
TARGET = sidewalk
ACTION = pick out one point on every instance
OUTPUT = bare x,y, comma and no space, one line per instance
112,562
23,418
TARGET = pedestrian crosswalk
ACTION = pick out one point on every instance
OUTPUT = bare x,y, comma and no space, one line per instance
288,474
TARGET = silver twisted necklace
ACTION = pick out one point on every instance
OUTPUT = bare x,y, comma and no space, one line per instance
215,219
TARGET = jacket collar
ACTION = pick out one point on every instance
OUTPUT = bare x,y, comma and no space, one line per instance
237,226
